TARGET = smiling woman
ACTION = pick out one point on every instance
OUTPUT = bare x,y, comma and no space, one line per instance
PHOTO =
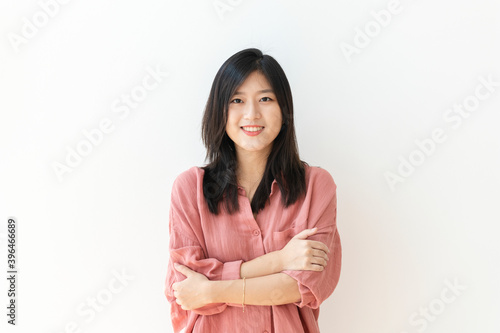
254,245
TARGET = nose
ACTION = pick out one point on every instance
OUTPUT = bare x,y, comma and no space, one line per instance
252,111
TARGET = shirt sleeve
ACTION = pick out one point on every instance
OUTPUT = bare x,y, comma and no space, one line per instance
321,206
186,247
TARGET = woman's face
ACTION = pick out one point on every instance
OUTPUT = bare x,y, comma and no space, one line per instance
254,117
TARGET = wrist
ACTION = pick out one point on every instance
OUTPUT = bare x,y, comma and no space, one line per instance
226,291
211,292
277,261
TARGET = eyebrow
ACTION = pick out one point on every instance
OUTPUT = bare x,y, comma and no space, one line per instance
260,91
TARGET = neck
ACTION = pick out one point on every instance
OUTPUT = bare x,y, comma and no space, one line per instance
251,165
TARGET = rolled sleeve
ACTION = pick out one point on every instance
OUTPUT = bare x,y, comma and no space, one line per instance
231,270
315,287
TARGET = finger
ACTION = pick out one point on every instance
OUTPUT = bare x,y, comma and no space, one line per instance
305,233
320,254
318,246
319,261
183,269
315,267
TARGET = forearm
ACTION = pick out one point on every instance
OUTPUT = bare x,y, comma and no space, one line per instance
274,289
266,264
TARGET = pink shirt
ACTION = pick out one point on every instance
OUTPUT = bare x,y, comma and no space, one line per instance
217,245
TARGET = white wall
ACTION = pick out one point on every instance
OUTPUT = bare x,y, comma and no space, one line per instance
357,116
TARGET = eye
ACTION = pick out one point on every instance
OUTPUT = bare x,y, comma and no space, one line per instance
268,99
236,101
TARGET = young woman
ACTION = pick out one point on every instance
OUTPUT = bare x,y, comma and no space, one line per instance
254,245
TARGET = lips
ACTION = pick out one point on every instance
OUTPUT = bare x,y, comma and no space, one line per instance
252,130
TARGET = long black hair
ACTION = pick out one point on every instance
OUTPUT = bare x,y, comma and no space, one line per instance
283,163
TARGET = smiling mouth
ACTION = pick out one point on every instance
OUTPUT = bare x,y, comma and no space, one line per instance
252,128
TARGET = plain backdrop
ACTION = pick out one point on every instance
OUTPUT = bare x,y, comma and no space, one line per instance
370,79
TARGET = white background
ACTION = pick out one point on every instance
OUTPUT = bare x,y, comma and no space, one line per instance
354,117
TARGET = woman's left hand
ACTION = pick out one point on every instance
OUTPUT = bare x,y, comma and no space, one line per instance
191,293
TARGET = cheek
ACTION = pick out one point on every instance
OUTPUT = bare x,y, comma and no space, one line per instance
232,126
278,119
230,121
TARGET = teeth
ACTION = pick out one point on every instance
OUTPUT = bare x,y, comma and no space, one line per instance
252,129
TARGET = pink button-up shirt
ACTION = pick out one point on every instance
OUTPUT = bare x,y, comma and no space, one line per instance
217,245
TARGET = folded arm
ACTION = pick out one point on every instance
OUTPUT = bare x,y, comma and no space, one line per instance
196,291
266,285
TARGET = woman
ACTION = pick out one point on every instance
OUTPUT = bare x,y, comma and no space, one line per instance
254,245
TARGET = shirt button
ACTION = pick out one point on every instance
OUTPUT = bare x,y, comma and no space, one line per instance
256,232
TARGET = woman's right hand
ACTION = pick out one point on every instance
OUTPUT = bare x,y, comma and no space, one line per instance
300,254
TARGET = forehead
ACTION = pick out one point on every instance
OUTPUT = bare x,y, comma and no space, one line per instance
255,82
